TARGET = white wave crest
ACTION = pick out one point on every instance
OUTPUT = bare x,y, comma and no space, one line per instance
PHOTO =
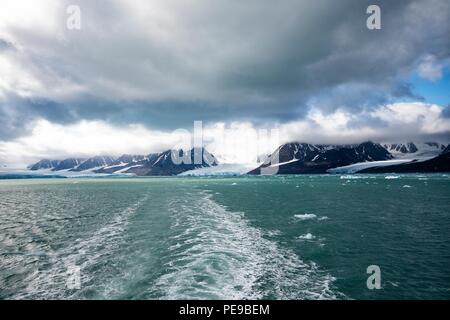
306,216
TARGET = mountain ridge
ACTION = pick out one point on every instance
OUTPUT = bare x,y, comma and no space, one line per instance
140,165
298,158
441,163
288,158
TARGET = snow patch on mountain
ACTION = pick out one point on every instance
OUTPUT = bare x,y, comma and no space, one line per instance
364,165
414,150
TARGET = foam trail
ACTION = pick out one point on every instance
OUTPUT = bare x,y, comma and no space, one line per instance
217,254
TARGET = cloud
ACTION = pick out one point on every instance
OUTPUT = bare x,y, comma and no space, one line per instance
430,69
83,139
398,122
232,142
5,45
165,63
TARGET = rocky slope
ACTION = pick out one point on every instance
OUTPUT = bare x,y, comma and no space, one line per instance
297,158
441,163
152,164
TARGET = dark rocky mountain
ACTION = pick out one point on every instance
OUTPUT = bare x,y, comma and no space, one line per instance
415,150
44,164
408,147
128,158
435,145
160,164
440,163
446,150
94,162
122,163
163,164
67,164
298,158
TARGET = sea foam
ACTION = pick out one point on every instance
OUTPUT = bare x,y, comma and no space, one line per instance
307,236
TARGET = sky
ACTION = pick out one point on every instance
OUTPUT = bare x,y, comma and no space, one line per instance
137,74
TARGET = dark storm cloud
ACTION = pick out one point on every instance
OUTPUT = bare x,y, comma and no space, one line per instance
16,113
167,63
446,112
4,45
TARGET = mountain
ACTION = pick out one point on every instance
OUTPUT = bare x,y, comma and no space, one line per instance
44,164
446,150
123,163
408,147
298,158
72,164
67,164
128,158
160,164
441,163
414,150
94,162
163,164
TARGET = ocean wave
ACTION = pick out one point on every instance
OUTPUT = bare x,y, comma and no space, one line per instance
82,254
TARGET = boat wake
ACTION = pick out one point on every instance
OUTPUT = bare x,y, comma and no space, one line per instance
217,254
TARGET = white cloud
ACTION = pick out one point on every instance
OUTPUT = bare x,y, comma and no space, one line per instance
392,122
20,15
430,68
413,118
83,139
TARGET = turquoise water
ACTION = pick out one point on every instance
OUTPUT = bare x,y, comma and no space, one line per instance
293,237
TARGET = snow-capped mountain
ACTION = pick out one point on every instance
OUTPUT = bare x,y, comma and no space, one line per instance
440,163
94,162
152,164
162,164
290,158
128,158
44,164
402,153
123,163
71,164
414,150
293,158
68,164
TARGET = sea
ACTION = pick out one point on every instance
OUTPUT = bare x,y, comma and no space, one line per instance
243,237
